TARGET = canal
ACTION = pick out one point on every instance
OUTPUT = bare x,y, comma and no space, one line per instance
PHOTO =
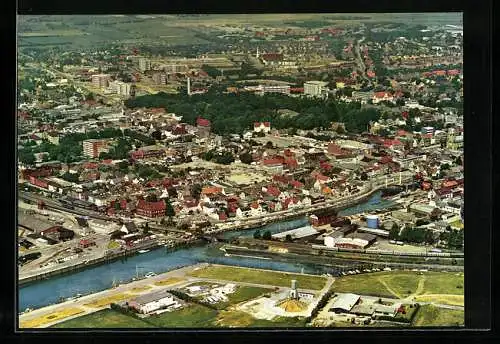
102,277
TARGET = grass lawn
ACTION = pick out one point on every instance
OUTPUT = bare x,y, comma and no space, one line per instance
106,318
51,317
401,284
242,293
429,315
274,278
192,315
168,281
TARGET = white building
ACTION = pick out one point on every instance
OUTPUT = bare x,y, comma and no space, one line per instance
316,88
144,64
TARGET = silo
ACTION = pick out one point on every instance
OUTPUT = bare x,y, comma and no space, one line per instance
372,221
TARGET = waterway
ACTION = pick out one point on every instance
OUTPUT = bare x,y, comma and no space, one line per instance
98,278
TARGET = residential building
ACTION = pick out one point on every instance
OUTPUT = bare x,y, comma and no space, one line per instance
150,209
144,64
262,127
101,80
93,147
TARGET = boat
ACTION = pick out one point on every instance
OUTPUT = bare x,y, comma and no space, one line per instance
143,251
150,274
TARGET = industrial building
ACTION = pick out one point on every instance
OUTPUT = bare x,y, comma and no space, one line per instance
298,233
344,303
154,301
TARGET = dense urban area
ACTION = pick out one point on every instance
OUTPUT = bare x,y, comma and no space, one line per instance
245,171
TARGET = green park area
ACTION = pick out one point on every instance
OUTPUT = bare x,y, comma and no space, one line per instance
429,315
447,287
266,277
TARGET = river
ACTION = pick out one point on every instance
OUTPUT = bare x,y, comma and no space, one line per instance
102,277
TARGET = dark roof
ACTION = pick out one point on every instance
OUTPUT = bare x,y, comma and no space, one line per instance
131,227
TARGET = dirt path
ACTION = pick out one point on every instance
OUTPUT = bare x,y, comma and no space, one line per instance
389,288
419,290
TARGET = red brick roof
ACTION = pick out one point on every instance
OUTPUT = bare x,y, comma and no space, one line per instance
273,191
201,122
151,206
280,178
291,162
273,161
296,184
381,94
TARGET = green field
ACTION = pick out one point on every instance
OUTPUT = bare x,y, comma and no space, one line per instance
106,318
243,293
273,278
429,315
191,316
401,284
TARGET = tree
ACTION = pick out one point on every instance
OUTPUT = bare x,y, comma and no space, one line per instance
267,235
196,191
246,158
364,176
156,135
288,238
394,232
26,157
257,234
169,210
146,228
123,166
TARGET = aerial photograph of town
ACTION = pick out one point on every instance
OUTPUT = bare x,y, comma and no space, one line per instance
217,171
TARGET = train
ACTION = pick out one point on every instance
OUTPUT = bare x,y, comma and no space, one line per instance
29,257
71,203
392,253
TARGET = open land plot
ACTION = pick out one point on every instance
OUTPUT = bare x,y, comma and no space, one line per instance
429,315
403,284
106,301
243,293
246,178
267,277
106,318
242,319
168,281
191,316
51,317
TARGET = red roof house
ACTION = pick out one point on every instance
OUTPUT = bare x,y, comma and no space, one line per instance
201,122
150,209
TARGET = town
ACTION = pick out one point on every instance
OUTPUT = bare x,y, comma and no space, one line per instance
333,142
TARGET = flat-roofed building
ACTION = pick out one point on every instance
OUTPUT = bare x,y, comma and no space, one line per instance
316,88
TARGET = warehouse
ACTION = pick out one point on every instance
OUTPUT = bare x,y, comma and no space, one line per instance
298,233
153,301
344,303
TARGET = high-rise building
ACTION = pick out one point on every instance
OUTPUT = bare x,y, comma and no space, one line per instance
121,88
101,80
144,64
160,78
93,147
315,88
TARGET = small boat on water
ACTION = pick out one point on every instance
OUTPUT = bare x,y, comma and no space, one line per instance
150,274
143,251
